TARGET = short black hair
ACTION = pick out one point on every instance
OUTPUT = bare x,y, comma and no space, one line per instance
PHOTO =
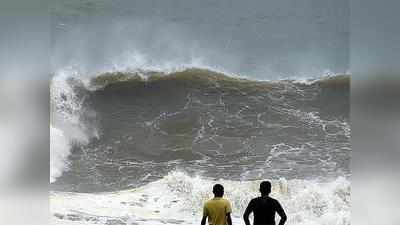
218,190
265,187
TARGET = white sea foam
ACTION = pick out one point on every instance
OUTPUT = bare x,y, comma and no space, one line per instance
312,119
59,151
66,127
177,199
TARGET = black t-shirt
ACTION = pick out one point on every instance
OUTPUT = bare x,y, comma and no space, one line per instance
264,209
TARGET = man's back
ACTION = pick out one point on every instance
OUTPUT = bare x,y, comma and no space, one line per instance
264,209
216,210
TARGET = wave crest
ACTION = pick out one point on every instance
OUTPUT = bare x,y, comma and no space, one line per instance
206,77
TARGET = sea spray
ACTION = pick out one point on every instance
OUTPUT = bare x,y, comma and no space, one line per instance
179,197
67,127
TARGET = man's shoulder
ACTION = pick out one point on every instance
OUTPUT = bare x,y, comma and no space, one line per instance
272,199
275,202
208,202
225,200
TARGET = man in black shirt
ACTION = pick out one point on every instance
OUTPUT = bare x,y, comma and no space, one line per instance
264,208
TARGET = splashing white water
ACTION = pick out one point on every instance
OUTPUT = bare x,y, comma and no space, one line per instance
66,127
59,151
178,199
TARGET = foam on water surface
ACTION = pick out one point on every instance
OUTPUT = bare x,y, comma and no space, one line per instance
178,199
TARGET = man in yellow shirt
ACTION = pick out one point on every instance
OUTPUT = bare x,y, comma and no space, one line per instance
217,210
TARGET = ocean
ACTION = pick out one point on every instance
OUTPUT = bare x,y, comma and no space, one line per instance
153,102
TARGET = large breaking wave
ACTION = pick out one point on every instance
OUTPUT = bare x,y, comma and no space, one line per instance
148,123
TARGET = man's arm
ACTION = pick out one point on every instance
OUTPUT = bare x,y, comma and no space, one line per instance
228,218
203,221
247,212
228,211
281,213
205,214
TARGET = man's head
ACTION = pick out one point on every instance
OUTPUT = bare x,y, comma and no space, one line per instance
265,188
218,190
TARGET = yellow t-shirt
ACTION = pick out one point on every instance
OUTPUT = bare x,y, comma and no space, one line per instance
216,209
